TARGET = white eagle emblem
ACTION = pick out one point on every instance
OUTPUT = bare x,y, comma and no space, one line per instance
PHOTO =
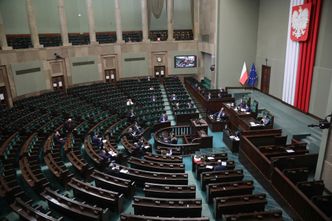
300,20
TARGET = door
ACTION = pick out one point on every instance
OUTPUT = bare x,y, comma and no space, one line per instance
3,98
110,75
58,83
159,71
265,82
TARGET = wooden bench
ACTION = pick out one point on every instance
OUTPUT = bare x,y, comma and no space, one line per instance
214,190
28,212
74,208
304,160
169,191
167,207
290,193
156,166
163,158
129,217
96,195
239,204
297,174
311,188
209,157
142,176
275,215
324,203
161,150
209,166
109,182
220,176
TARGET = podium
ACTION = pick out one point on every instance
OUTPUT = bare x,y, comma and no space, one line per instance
198,125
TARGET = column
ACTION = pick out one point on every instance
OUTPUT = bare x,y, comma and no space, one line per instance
32,25
170,19
145,28
3,39
118,22
63,23
196,19
91,21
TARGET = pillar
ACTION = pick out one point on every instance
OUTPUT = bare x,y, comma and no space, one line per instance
91,21
63,23
118,22
32,25
145,26
170,19
196,20
3,39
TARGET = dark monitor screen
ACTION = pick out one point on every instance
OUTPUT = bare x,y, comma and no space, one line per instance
185,61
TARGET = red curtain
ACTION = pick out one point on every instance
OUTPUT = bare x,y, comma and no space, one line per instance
306,62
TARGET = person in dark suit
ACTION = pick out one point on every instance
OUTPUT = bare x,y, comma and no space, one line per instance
209,96
222,165
173,97
58,140
68,126
220,114
265,120
137,128
131,115
163,117
174,139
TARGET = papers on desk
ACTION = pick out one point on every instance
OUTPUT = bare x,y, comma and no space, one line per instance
112,153
290,151
247,112
210,158
243,110
223,163
234,138
253,124
104,141
211,116
123,171
147,147
209,167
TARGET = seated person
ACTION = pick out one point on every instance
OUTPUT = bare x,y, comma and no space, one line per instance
265,120
209,96
137,128
169,153
197,159
190,105
104,155
177,106
58,140
131,115
220,114
163,117
173,97
174,139
222,165
130,102
153,98
112,167
68,126
132,134
222,90
96,140
139,146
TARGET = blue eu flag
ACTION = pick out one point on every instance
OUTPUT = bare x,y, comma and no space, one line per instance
252,76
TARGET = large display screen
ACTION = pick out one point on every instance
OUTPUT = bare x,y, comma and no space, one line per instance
185,61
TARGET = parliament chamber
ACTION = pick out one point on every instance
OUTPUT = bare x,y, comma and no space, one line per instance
134,110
